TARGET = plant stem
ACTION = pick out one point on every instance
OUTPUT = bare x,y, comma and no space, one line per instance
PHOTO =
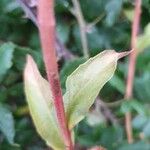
99,104
46,21
31,13
95,21
131,69
82,25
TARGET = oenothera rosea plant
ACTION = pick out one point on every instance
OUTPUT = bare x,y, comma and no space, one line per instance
82,88
55,115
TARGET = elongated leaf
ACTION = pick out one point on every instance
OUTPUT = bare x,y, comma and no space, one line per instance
39,98
6,55
84,84
7,124
111,13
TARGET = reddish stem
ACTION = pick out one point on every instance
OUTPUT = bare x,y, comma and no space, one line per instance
131,69
46,20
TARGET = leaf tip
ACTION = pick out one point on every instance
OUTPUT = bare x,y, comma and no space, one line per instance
123,54
29,59
30,67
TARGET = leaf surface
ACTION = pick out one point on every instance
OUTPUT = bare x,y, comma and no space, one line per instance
84,84
6,55
39,98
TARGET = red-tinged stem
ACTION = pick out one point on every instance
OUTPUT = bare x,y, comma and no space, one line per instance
46,21
131,69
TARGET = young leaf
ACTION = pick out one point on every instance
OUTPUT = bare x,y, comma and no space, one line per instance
84,84
39,98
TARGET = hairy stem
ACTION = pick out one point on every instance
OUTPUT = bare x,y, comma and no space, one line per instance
46,22
82,25
131,69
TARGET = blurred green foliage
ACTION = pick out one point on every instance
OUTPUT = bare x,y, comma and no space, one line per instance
19,37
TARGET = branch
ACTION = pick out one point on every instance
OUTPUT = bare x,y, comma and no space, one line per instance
106,111
131,69
46,22
30,12
82,25
94,22
62,51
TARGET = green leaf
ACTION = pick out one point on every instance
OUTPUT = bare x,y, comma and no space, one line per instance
129,105
6,55
139,121
143,63
146,130
129,13
84,84
97,38
63,31
7,124
146,4
91,9
39,98
21,52
143,40
142,86
116,134
135,146
117,83
113,9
